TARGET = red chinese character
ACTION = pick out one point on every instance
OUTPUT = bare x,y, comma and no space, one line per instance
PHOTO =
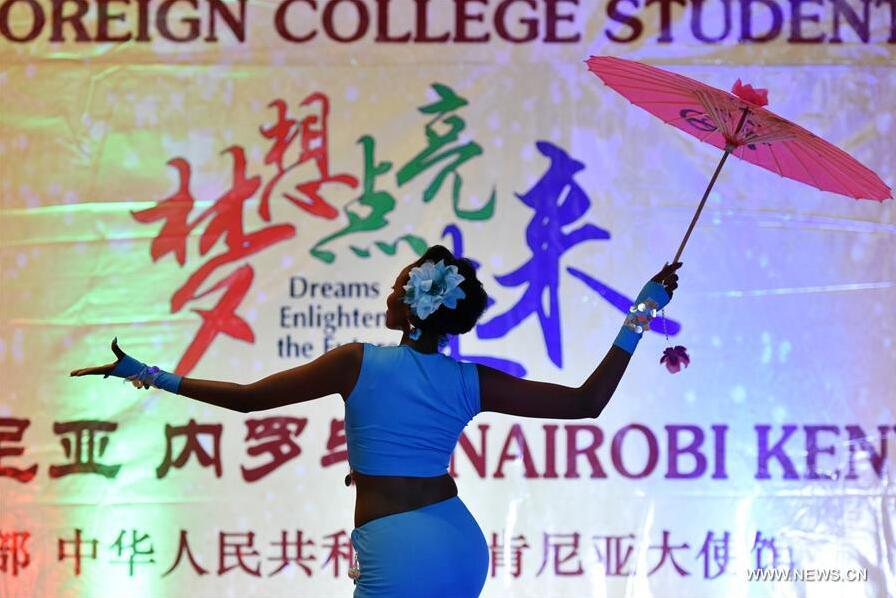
285,557
191,445
553,544
761,544
13,554
616,553
18,427
668,550
314,147
336,440
76,555
86,450
225,221
184,547
280,447
340,549
715,553
234,548
517,545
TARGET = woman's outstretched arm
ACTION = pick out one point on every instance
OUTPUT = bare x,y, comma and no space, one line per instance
334,372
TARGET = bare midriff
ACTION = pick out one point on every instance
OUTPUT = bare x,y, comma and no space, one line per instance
378,496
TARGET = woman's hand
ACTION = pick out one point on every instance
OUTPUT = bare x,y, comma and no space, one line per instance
668,278
105,370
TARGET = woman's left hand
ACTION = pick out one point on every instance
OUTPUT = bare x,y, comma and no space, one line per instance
105,370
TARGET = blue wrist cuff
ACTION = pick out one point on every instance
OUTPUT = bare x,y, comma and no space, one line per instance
168,381
656,291
627,340
128,367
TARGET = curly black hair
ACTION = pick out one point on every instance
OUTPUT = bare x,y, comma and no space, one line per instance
444,321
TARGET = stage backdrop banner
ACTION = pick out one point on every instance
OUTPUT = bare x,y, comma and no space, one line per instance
230,188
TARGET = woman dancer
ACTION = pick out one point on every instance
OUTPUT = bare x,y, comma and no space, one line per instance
405,407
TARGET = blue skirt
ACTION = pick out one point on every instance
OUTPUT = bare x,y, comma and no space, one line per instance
437,550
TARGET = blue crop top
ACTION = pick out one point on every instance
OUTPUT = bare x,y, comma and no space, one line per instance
407,410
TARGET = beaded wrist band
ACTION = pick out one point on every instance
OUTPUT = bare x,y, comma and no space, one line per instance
133,370
639,316
147,376
651,298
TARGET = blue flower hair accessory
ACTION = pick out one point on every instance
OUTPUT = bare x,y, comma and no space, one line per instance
432,285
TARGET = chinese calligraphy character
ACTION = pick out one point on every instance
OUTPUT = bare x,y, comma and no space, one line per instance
76,555
761,544
137,555
443,110
225,220
85,450
16,430
280,447
515,548
616,553
192,445
13,554
182,547
715,551
368,212
340,549
285,557
314,147
553,545
667,550
228,547
558,202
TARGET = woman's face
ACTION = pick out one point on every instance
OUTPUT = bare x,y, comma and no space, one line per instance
397,311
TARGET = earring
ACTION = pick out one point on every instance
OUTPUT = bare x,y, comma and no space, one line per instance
413,331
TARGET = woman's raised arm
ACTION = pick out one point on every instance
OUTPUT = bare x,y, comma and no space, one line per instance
504,393
334,372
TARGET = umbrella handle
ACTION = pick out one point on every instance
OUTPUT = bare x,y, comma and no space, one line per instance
712,181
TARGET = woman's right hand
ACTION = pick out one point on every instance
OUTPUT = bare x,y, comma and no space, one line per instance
105,370
668,278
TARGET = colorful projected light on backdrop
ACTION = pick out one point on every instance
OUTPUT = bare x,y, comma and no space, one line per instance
237,202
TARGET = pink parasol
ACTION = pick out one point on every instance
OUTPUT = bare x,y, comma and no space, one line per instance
739,125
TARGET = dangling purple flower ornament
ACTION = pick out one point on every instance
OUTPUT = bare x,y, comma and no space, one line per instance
432,285
674,357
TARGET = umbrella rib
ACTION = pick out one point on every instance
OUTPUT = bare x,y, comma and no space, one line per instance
846,167
658,102
809,172
771,150
838,173
668,89
838,168
666,77
835,154
833,172
681,86
712,110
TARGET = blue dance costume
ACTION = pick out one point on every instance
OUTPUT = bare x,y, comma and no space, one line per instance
403,418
